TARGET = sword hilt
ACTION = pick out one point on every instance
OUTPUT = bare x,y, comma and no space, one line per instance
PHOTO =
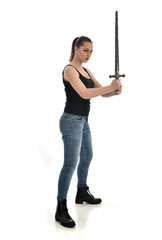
117,76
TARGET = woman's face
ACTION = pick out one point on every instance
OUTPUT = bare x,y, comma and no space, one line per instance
83,53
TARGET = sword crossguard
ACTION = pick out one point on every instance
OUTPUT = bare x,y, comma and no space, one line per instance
117,76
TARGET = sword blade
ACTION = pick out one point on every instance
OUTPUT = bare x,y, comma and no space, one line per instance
116,45
117,74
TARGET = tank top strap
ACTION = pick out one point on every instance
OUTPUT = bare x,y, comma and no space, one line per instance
71,66
76,70
87,72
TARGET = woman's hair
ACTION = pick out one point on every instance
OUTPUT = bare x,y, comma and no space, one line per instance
79,41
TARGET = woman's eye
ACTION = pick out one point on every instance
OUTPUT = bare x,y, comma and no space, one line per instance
88,51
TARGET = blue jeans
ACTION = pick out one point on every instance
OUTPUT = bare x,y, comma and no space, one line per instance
76,137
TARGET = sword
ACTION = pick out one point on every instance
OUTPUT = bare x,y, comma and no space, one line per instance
117,75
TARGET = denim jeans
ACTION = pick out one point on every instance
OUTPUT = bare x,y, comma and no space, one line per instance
76,137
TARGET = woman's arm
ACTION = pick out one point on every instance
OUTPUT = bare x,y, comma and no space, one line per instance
72,76
97,84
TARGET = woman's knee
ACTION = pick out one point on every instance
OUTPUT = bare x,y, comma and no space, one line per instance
69,168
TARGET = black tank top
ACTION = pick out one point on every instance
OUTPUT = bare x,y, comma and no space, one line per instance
75,104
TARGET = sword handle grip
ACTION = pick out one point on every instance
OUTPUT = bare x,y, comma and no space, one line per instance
117,76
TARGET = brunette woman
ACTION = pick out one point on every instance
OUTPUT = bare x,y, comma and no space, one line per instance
80,87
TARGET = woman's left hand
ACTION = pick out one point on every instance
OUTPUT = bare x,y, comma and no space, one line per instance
117,92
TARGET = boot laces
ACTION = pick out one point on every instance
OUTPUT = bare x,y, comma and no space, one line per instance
89,192
64,206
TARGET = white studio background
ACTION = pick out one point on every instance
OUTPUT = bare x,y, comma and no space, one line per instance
35,45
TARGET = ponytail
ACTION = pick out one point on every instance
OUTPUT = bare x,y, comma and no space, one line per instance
72,49
78,41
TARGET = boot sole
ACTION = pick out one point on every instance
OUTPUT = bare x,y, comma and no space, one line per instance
81,202
78,202
65,225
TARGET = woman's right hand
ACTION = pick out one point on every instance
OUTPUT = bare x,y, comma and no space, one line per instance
116,84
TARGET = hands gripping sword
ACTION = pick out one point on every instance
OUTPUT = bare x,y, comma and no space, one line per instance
117,75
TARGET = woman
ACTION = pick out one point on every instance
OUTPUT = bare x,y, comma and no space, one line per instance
80,87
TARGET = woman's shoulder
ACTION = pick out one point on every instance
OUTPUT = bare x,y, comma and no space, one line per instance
70,72
70,68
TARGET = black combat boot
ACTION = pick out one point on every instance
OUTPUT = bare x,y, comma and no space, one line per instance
84,195
63,216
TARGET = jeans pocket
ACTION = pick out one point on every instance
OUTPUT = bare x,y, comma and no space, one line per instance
79,119
76,118
65,125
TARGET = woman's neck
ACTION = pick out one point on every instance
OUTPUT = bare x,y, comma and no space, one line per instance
76,63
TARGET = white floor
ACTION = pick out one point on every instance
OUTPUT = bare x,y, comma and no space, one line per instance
111,220
28,209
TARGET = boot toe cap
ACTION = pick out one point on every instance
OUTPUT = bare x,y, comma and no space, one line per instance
69,223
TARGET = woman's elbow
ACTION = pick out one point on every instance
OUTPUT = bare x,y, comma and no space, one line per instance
85,96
